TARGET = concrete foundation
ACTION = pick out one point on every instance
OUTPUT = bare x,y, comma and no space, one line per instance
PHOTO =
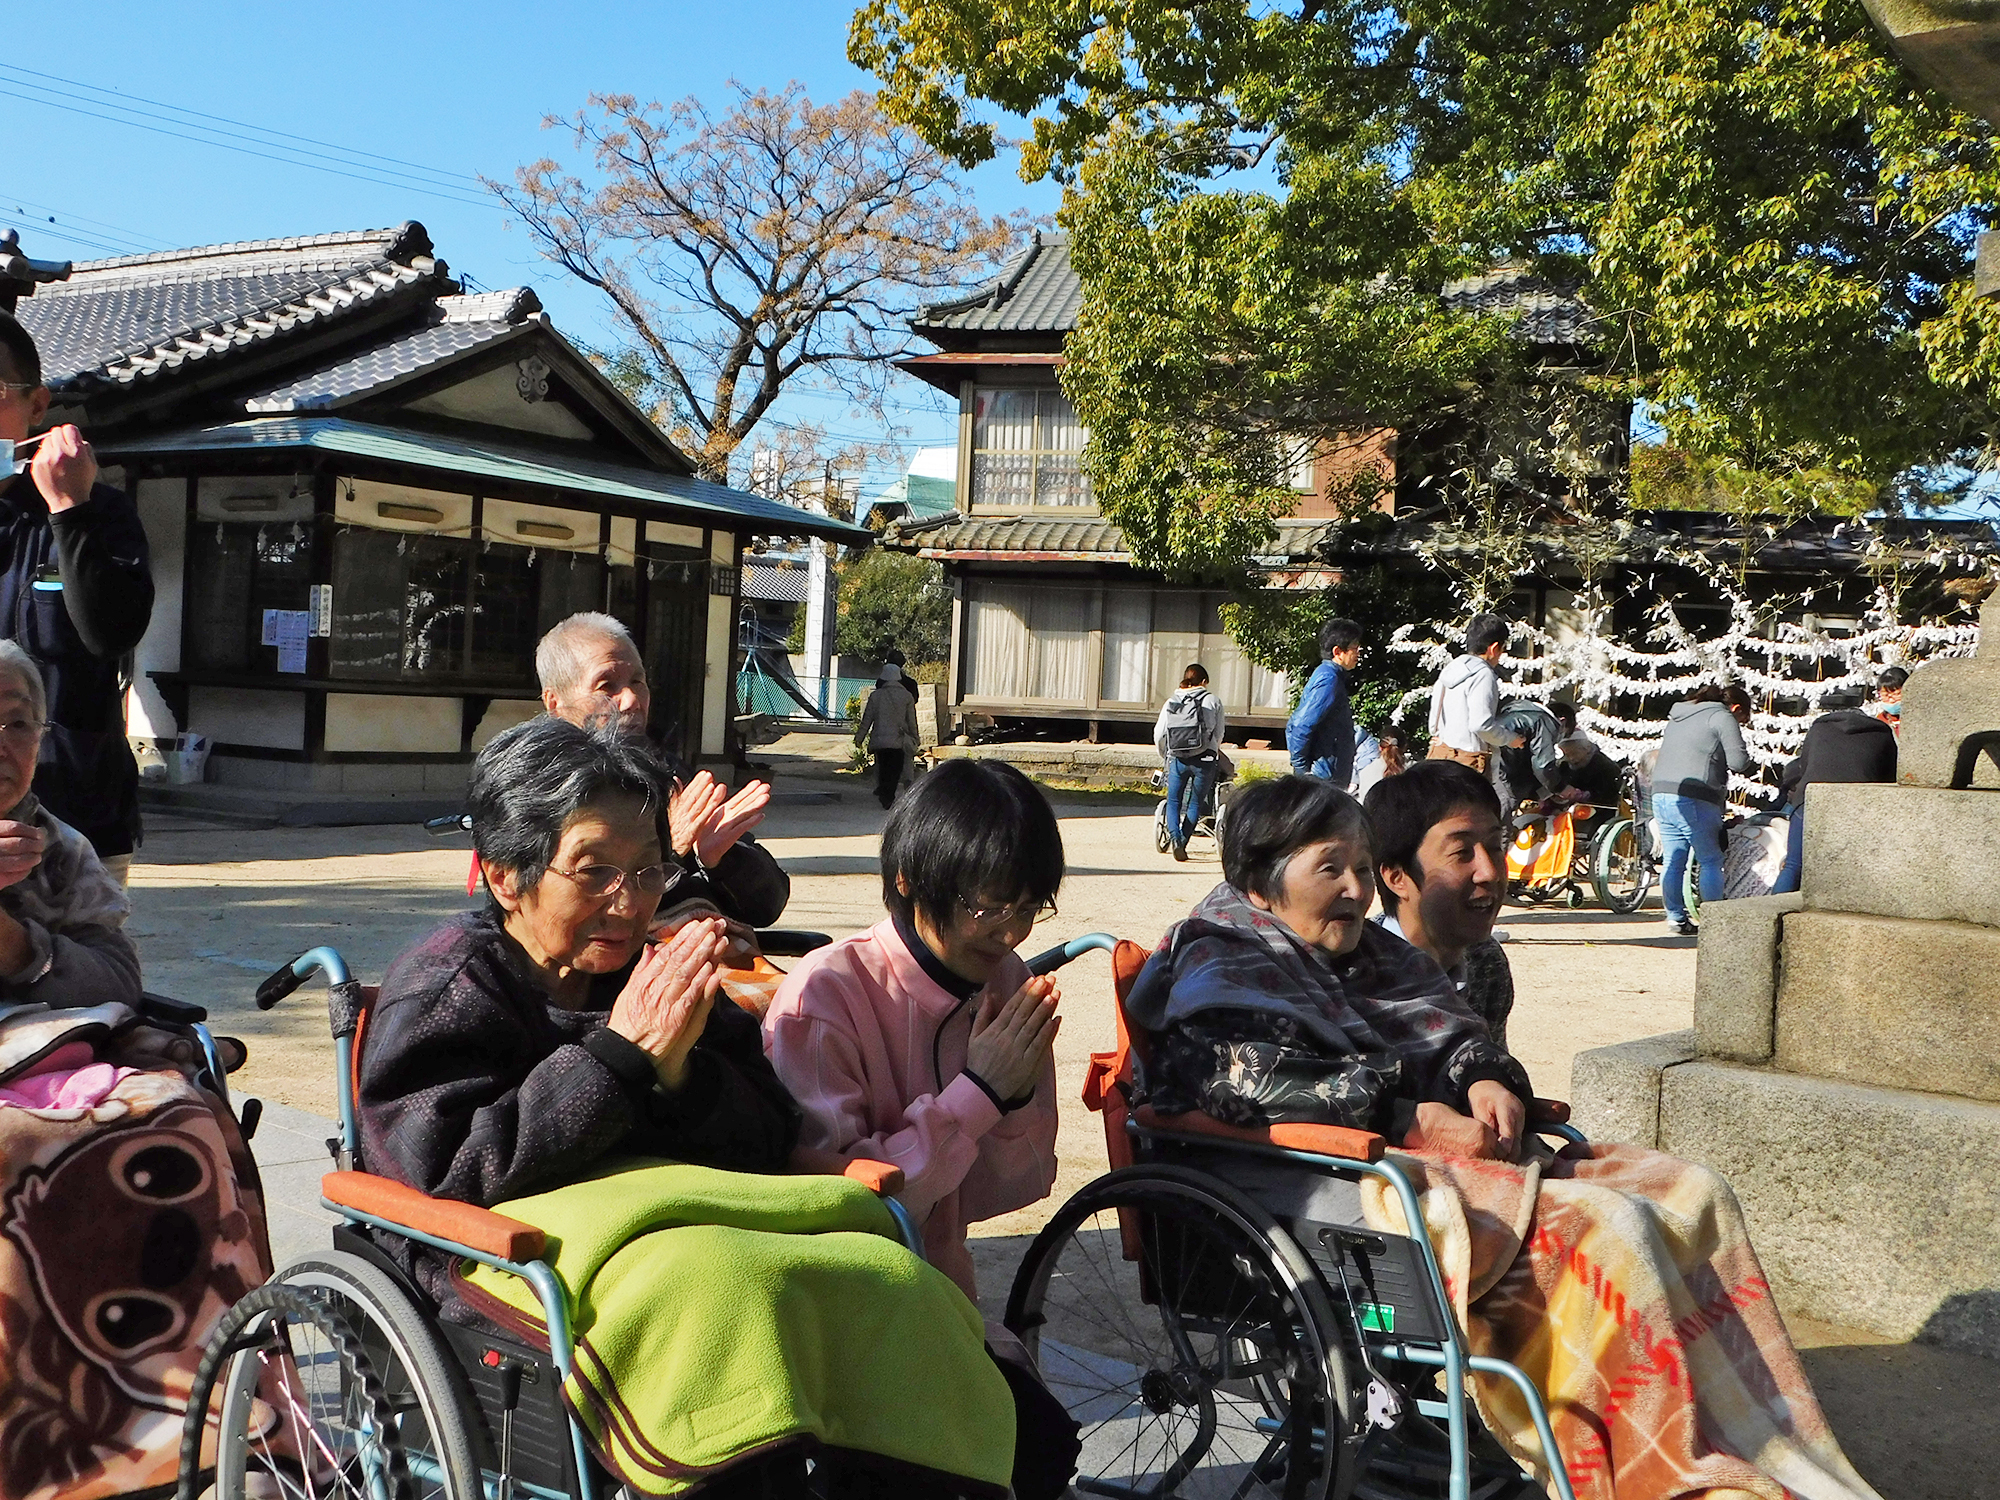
1736,976
1951,709
1899,851
1614,1092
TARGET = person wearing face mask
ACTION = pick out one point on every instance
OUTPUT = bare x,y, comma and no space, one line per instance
1441,871
591,674
1276,1001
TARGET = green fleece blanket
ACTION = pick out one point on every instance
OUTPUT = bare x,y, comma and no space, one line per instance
718,1314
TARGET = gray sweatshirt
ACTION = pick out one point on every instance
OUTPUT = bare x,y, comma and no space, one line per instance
1702,745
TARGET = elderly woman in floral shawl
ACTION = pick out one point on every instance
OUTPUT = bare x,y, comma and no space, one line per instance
1275,1002
1620,1280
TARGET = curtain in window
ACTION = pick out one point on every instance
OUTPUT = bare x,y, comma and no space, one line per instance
1270,691
1003,444
1059,478
1061,622
997,618
1128,625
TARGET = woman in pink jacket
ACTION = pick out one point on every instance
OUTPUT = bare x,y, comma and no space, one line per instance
924,1042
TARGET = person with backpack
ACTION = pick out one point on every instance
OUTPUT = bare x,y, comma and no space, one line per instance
1188,735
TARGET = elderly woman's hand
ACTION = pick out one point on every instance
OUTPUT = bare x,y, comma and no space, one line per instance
665,1004
20,851
1440,1128
1496,1106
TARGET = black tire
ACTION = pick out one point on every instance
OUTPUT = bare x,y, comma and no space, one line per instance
1619,869
292,1345
1162,840
422,1380
1248,1336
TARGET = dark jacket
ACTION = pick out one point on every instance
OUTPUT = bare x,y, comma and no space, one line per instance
747,883
475,1085
1532,770
1845,745
1322,726
76,592
1703,743
1600,779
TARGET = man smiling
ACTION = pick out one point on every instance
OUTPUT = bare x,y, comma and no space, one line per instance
1441,871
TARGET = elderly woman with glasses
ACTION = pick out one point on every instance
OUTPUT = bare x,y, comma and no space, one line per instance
515,1046
62,915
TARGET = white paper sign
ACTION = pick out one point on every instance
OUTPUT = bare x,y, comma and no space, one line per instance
288,629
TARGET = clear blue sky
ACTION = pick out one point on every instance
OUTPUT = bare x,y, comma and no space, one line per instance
456,91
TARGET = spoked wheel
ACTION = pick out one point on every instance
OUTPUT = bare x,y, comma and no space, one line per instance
1205,1365
304,1413
1162,840
423,1383
1619,868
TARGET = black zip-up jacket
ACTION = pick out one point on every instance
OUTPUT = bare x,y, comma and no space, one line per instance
76,592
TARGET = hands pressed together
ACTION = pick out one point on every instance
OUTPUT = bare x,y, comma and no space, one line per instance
1013,1040
20,851
1494,1131
664,1006
702,816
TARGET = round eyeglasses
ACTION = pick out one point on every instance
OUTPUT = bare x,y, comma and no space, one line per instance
1007,916
602,882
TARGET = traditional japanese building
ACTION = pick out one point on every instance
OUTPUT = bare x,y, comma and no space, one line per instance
368,493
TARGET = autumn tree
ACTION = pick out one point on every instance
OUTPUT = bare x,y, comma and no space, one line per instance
777,242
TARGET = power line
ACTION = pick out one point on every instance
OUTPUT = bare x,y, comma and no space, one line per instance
48,228
430,190
92,226
115,96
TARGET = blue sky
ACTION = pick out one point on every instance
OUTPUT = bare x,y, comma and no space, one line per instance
457,92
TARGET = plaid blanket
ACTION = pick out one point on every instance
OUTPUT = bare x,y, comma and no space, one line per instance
130,1220
1624,1285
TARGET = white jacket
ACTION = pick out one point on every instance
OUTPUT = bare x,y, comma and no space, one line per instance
1465,706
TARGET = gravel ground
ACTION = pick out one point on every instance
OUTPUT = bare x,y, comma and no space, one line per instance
217,908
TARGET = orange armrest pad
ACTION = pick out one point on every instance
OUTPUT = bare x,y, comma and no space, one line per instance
1322,1140
464,1224
1549,1112
879,1177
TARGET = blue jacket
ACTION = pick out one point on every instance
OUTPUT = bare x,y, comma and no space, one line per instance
76,593
1322,726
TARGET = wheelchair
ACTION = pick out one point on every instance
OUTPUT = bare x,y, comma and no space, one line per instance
1209,820
388,1401
1220,1320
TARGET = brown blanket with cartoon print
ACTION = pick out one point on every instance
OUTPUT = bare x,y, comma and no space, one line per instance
130,1219
1624,1285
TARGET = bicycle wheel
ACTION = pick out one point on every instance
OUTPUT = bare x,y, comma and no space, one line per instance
304,1415
1206,1365
1619,869
423,1383
1162,840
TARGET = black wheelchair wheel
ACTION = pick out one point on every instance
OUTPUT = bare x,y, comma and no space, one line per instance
1209,1364
1162,840
422,1381
304,1413
1619,869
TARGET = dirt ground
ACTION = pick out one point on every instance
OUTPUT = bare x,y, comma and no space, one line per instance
218,908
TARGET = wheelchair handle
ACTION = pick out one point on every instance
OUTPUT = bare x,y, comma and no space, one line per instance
298,971
453,823
1055,958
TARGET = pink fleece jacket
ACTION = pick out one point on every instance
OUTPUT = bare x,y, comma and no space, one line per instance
851,1034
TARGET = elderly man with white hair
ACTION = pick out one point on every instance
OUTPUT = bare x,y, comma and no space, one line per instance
62,916
591,674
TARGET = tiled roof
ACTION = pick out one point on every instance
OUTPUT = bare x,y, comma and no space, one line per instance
1043,537
1035,292
779,585
120,321
1550,314
460,323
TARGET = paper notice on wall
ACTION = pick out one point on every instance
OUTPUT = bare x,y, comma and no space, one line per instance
288,630
322,609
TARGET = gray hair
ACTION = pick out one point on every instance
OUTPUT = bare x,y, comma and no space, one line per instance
557,664
14,659
532,779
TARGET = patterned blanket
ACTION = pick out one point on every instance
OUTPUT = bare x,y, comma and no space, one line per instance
130,1219
1624,1286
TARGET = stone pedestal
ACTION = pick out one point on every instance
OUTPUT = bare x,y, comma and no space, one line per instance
1844,1068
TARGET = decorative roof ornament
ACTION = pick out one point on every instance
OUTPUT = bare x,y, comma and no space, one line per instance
532,378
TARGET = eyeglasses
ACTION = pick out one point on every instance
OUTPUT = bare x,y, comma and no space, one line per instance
19,734
1006,916
601,882
18,385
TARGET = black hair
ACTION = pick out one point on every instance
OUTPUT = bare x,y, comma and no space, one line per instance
21,351
1270,821
895,658
970,829
1403,809
1196,675
1735,697
1891,679
1486,631
1338,635
1390,734
1565,715
533,778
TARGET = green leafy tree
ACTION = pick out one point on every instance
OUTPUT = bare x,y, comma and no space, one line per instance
890,599
1770,220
